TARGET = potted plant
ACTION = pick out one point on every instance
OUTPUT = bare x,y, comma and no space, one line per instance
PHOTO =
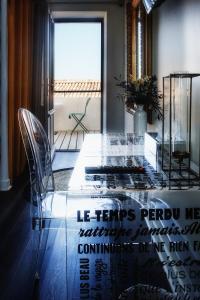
139,96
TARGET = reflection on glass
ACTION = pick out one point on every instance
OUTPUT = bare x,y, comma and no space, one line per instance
180,118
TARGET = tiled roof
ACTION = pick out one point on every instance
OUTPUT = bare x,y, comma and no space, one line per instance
74,88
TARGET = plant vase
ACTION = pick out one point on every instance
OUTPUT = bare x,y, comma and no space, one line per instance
140,121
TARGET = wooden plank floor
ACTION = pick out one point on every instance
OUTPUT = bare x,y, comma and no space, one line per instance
62,138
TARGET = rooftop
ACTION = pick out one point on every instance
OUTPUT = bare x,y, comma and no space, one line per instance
72,88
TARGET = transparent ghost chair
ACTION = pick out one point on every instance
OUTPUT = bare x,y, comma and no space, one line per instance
38,153
44,200
50,208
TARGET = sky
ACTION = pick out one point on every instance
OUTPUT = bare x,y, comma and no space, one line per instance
77,51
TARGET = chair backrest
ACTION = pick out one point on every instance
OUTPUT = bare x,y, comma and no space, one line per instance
38,153
86,105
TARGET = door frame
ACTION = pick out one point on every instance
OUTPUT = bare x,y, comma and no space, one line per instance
51,83
92,19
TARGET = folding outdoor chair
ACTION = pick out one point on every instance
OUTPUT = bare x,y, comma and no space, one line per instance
78,117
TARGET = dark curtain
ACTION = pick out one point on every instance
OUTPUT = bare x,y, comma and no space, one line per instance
26,46
19,76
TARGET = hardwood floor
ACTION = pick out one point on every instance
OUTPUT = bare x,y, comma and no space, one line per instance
62,139
19,243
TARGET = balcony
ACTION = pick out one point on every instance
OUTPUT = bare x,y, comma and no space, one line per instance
69,97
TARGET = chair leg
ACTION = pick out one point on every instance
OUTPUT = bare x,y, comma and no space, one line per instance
70,138
81,124
78,124
72,132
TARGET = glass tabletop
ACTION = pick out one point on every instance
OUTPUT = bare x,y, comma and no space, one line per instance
119,244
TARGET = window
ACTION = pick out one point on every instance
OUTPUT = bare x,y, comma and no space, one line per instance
138,41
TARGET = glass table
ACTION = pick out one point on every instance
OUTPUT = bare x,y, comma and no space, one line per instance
124,162
116,162
119,245
119,234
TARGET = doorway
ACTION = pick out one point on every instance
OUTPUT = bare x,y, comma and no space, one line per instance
78,71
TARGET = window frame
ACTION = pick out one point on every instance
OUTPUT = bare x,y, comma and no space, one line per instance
139,63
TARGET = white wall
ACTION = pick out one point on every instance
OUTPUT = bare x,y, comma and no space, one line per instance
176,47
66,105
176,44
114,54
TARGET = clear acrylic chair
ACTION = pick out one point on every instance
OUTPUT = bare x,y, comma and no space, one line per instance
38,153
78,117
51,206
43,197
